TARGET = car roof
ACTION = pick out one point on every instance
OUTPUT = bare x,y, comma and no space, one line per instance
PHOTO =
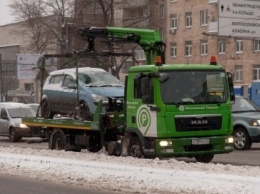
12,104
80,70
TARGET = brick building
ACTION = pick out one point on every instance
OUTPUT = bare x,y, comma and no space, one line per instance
183,24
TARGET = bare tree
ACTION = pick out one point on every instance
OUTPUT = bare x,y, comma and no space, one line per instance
46,23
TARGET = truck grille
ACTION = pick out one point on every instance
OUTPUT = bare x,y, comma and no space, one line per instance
198,123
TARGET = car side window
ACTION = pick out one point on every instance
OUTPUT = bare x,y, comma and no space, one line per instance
3,113
68,80
56,79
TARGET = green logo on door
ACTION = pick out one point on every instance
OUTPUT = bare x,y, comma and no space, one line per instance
143,119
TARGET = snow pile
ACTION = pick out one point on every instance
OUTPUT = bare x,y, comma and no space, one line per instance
127,174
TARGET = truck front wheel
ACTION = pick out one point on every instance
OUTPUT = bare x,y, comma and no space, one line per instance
135,148
204,158
57,142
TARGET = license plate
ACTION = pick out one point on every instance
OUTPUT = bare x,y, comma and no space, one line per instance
200,141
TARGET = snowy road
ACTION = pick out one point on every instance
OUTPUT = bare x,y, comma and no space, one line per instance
129,175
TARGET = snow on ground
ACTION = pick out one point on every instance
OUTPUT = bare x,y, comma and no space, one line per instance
127,174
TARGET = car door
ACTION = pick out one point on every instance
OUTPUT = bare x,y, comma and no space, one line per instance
68,96
52,91
4,122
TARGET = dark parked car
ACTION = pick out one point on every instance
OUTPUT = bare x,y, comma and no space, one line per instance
246,117
11,114
94,84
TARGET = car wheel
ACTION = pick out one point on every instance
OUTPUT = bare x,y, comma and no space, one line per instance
45,110
58,142
83,112
204,158
135,148
13,135
242,139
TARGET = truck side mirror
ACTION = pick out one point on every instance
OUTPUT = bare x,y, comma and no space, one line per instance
164,77
231,87
147,94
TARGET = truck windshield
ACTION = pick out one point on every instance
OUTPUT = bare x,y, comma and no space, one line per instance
193,87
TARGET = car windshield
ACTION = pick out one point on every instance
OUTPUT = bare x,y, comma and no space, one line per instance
244,105
99,78
21,112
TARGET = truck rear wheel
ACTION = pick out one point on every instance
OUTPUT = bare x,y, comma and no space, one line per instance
135,148
204,158
58,142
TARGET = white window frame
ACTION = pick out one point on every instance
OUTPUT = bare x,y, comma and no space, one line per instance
204,17
239,46
203,47
162,11
221,47
238,73
173,49
188,19
188,48
256,72
257,45
173,21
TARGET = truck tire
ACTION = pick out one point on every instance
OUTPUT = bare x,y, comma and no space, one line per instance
94,143
13,135
58,142
135,148
242,140
204,158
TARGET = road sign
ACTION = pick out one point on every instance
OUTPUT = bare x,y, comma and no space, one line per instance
244,9
239,18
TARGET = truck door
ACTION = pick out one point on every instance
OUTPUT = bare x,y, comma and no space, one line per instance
4,122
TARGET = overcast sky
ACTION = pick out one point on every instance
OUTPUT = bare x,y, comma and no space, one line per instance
5,15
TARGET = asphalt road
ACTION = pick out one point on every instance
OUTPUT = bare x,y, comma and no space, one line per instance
21,185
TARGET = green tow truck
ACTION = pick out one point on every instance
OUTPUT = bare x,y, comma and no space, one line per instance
168,110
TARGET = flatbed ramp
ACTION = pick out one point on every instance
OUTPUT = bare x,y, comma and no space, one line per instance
66,123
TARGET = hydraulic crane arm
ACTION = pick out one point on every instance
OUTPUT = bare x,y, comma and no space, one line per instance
149,40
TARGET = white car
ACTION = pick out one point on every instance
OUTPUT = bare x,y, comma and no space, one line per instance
11,114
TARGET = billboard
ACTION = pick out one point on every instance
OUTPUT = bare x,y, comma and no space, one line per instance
27,65
239,18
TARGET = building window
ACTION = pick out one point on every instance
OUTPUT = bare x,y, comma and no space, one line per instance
188,19
256,45
203,17
238,73
28,86
162,33
173,22
256,72
173,49
203,47
162,11
188,48
221,46
239,46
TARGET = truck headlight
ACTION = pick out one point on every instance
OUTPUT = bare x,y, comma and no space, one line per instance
97,98
255,122
23,125
165,143
229,140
